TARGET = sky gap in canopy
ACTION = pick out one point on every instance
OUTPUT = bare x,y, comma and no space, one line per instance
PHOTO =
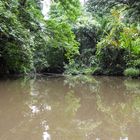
46,6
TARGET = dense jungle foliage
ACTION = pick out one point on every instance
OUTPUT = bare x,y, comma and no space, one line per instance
101,38
28,43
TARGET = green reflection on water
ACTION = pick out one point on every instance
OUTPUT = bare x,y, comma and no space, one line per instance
77,108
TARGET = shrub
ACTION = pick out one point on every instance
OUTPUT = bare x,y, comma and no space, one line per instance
132,72
97,71
112,60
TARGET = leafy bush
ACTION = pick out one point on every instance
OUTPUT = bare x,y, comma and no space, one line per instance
56,59
112,60
132,72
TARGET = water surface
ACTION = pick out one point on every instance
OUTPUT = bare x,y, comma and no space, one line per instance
70,108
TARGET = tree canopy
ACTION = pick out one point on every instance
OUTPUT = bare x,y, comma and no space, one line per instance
25,35
101,38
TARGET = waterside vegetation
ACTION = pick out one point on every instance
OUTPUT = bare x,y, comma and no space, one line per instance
101,38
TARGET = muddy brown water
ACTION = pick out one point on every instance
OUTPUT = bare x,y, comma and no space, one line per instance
70,108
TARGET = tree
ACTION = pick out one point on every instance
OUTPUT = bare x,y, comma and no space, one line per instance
103,6
25,35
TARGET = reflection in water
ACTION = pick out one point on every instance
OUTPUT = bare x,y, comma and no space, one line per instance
133,85
34,109
72,104
70,108
124,138
46,136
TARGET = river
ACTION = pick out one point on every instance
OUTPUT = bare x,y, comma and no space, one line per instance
70,108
